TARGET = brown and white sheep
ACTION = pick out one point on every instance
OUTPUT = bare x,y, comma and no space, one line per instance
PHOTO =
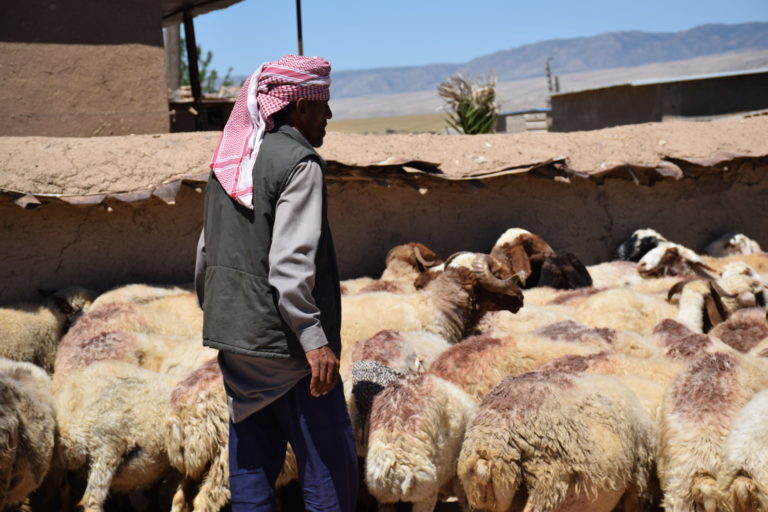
416,427
404,264
524,252
745,475
27,430
31,332
697,413
450,306
551,441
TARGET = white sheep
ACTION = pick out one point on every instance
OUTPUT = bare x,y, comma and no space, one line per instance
137,294
31,332
731,244
697,413
27,430
624,309
416,427
745,474
547,441
111,417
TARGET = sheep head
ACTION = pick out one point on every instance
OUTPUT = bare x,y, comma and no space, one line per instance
498,293
522,251
638,245
671,259
417,255
732,243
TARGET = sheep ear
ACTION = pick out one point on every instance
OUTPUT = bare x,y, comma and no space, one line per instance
713,313
677,288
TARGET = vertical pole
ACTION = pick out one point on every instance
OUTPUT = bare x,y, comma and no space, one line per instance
173,56
194,72
298,26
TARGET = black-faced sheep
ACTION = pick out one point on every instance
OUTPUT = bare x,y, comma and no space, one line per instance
549,441
699,407
27,430
638,244
31,332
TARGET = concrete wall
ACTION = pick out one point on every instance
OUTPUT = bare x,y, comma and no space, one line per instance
82,68
58,245
632,104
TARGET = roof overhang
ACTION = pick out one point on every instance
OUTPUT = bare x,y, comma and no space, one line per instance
173,9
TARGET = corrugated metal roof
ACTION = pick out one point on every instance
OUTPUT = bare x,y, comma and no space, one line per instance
172,9
684,78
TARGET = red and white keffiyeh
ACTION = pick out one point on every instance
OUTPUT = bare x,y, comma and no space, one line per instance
269,89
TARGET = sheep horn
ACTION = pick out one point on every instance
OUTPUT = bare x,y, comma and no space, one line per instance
420,258
453,257
490,282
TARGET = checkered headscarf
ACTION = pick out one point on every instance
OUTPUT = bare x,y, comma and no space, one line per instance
273,86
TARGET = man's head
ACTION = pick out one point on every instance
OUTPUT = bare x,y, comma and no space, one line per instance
304,83
309,117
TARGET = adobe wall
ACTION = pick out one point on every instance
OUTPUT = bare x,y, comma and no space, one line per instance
58,244
82,68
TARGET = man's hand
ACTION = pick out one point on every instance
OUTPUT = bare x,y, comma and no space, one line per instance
325,370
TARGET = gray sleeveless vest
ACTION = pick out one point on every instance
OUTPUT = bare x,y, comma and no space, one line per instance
240,306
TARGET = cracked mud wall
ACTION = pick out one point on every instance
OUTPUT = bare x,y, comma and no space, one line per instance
58,244
587,219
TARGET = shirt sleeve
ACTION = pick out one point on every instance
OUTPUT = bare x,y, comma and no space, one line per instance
295,238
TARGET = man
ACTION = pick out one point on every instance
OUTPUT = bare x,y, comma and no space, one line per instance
271,296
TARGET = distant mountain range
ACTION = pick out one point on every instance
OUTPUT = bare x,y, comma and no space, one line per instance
576,55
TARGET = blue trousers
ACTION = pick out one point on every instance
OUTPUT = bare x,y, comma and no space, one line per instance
321,435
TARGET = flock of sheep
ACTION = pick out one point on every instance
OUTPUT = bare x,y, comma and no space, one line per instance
519,379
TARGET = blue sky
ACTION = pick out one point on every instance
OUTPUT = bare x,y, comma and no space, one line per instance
360,34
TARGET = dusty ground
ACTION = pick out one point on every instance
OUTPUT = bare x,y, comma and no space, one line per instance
81,166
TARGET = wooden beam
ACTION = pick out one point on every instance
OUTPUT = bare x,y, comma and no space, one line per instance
194,72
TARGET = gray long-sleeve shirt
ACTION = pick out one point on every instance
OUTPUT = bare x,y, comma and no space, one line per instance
254,382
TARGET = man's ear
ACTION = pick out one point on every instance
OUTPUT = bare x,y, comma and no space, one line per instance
301,107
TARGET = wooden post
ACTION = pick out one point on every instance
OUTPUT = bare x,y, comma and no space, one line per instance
298,26
173,56
194,72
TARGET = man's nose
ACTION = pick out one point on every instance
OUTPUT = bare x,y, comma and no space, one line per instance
328,113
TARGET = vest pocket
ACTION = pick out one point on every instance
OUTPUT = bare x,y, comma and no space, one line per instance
240,312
